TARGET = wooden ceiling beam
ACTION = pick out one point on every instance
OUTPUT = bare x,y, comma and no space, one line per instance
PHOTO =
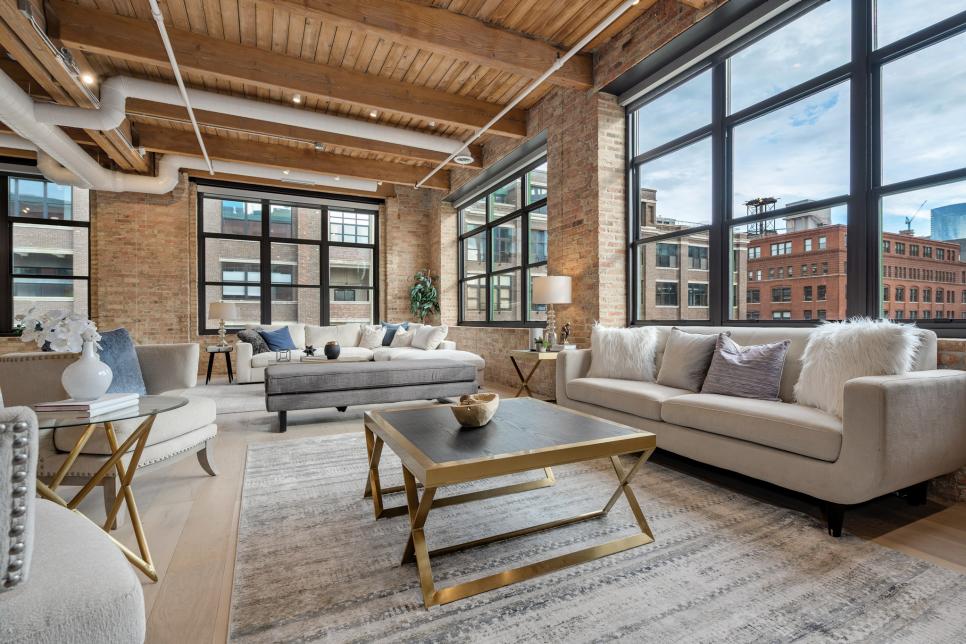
28,48
140,107
165,140
698,4
130,39
453,34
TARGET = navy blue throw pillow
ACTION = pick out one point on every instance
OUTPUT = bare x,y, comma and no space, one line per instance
278,340
117,352
391,331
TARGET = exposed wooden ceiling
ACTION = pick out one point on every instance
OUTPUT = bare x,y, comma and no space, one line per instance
444,67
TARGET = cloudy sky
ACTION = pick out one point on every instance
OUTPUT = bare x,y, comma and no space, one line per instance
801,151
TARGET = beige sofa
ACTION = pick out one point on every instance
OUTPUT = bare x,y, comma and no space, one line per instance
251,367
897,432
29,378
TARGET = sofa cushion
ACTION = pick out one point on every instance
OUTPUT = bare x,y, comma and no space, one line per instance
785,426
312,378
296,330
428,337
350,354
749,372
439,354
347,335
198,413
117,352
265,359
279,339
391,329
687,357
252,337
642,399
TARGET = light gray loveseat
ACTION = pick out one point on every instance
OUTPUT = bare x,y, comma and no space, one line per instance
896,432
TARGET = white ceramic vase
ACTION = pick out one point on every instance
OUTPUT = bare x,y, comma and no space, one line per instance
88,378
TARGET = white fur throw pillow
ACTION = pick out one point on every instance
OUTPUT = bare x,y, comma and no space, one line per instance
627,354
372,336
840,351
403,338
428,337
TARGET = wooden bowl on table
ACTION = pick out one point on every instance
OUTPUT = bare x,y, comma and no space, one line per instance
476,410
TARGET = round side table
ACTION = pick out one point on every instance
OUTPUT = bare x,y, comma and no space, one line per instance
212,349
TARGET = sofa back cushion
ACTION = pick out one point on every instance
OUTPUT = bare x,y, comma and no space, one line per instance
798,337
347,335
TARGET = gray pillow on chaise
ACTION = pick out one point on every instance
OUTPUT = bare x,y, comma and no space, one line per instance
117,352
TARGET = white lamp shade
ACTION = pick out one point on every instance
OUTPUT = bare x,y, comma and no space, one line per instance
551,289
222,311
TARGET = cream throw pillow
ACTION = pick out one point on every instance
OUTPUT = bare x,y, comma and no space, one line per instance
403,338
428,337
840,351
372,336
627,354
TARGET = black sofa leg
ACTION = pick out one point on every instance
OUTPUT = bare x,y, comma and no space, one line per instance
282,421
916,494
835,515
341,408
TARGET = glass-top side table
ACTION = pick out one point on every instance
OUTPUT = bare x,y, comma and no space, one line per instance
148,408
538,357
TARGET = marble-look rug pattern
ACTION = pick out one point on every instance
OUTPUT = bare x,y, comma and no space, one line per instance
313,565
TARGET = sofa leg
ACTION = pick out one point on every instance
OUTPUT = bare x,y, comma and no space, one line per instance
342,409
835,515
111,489
206,458
916,494
282,421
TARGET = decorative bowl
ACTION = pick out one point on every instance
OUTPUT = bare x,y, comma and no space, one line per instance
476,410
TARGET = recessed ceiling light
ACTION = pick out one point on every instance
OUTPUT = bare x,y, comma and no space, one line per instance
284,171
88,78
373,113
432,124
463,158
337,178
297,99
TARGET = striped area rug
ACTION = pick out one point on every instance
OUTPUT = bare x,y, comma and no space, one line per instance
313,565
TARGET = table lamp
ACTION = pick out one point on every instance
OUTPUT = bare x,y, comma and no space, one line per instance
221,311
550,290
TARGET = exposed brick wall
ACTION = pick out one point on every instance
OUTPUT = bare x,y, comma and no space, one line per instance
404,247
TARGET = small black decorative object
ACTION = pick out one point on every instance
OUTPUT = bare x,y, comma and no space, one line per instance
309,350
565,333
332,350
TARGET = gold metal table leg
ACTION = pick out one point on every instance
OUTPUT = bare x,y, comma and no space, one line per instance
525,380
416,544
125,476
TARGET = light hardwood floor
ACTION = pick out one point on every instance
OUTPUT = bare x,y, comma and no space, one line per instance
191,519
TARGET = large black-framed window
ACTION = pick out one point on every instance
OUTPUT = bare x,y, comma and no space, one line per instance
44,247
802,155
287,257
502,237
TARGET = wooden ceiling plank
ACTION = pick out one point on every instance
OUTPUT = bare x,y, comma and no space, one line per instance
453,34
136,40
165,140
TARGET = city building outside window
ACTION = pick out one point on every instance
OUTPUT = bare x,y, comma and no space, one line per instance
47,261
807,293
503,245
698,257
697,294
822,290
808,245
666,294
913,294
822,243
754,296
807,314
286,257
822,314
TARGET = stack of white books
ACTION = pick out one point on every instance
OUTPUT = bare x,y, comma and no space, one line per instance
104,404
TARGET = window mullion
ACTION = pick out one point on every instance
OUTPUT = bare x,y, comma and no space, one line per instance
719,245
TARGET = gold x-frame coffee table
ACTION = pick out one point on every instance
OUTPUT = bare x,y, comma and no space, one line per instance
526,434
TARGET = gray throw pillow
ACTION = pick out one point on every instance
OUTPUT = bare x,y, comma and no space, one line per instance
254,338
117,352
687,357
748,372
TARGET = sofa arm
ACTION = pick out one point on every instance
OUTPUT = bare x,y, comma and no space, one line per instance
571,364
447,345
169,366
31,378
244,352
905,429
18,439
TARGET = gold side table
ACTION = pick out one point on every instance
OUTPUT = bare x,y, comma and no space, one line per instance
538,358
148,408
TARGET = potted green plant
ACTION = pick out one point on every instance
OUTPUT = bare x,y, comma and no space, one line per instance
423,296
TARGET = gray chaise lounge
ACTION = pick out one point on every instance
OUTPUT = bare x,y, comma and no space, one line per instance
341,385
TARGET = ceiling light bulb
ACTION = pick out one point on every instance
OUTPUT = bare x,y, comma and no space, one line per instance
297,99
88,78
337,178
379,183
373,113
284,171
432,124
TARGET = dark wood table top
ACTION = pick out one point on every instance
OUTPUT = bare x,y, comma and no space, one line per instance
525,434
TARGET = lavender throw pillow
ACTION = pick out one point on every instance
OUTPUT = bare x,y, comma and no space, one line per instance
748,372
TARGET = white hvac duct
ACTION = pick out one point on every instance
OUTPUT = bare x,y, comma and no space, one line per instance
63,161
116,90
